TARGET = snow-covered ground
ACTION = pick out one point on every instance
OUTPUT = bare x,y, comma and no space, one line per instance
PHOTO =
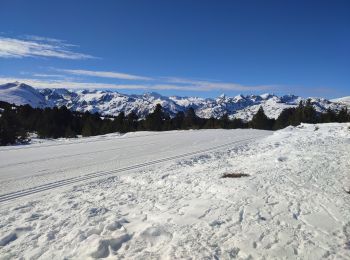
27,169
293,204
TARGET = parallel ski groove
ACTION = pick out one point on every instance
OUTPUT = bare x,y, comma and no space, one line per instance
22,193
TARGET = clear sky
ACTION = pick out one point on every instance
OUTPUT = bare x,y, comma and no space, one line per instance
183,47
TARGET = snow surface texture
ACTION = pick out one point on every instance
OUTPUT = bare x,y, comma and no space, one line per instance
292,206
112,103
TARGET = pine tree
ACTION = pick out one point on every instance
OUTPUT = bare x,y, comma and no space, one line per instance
87,129
343,115
298,115
211,123
118,123
261,121
156,120
191,120
225,121
9,127
178,120
285,118
329,116
309,113
69,133
131,122
238,123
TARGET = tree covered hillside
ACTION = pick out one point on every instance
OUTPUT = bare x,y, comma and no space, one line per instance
16,122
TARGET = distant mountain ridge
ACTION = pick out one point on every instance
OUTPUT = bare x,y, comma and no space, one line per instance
108,102
343,100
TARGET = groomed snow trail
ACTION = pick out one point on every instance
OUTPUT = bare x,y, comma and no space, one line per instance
294,205
27,170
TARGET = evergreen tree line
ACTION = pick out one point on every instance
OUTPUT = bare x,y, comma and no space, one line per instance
17,121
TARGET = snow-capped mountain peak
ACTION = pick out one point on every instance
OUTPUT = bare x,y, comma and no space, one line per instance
21,94
107,102
266,95
238,97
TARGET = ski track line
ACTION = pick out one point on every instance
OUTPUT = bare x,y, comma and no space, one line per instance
70,155
44,187
64,170
100,139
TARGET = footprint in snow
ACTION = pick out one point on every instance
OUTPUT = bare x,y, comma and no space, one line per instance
156,235
106,247
14,235
282,159
96,211
116,225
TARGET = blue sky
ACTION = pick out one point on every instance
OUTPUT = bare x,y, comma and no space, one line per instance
187,48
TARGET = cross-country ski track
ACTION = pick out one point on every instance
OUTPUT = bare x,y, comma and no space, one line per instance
22,163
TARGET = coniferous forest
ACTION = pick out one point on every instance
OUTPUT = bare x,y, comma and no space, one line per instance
16,122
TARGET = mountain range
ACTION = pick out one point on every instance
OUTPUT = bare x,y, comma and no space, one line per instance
108,102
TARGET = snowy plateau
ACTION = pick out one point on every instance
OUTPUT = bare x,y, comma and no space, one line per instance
147,195
112,103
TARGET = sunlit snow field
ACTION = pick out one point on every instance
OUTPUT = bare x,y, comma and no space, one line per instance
161,195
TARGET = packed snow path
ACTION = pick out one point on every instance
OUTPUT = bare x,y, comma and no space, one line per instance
27,170
293,205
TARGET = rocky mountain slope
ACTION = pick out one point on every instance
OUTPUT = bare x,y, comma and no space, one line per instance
343,100
108,102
